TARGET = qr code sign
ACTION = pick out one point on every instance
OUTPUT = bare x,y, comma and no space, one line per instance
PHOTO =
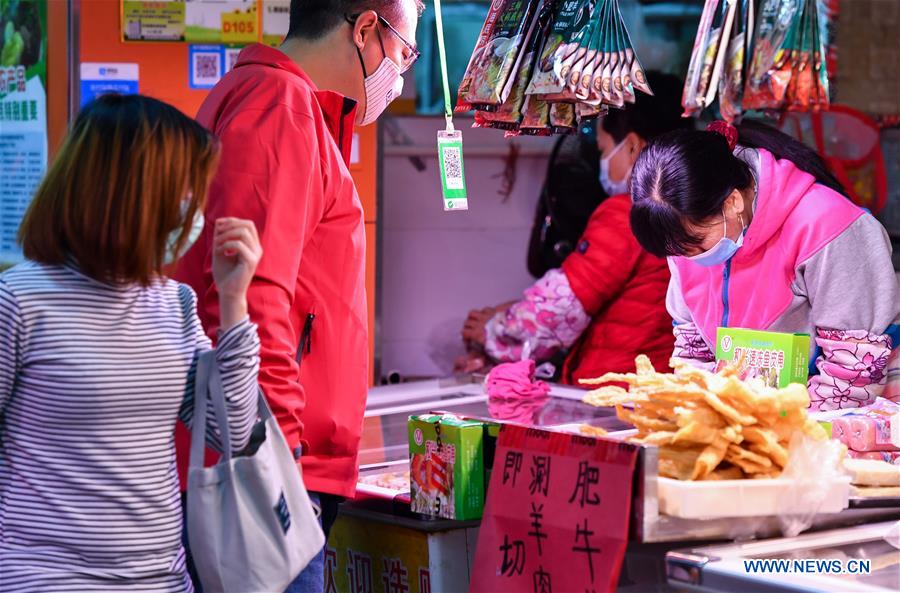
206,68
231,58
453,167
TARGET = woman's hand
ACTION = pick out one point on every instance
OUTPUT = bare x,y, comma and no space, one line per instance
472,362
473,329
236,253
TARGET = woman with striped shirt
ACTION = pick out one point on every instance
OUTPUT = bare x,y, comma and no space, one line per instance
98,350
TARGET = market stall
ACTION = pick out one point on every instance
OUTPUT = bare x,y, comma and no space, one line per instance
379,531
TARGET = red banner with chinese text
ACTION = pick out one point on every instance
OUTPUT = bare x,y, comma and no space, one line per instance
557,514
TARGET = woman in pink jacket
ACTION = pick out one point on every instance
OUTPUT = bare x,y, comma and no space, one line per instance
759,236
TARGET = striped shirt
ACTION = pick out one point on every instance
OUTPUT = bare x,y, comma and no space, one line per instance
92,380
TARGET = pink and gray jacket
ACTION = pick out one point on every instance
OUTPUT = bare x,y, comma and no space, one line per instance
811,262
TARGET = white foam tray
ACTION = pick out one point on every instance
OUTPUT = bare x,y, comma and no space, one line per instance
749,498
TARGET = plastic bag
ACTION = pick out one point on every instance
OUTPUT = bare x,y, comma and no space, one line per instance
814,466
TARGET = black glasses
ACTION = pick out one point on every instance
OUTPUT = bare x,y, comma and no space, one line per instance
408,60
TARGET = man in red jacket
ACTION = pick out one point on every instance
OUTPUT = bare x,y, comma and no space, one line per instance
285,120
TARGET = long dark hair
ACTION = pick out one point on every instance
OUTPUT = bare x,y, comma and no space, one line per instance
683,178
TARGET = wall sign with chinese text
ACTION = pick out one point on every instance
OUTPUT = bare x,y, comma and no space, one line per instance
100,79
23,116
153,21
557,514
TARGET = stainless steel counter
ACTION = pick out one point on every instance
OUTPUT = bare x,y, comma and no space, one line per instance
725,568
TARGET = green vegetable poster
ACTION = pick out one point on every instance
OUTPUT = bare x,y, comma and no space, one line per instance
23,114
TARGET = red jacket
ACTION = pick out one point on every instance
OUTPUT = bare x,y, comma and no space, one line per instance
285,150
623,288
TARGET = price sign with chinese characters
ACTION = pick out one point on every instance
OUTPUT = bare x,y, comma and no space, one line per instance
557,514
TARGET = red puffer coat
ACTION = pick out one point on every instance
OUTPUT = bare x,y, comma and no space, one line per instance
623,288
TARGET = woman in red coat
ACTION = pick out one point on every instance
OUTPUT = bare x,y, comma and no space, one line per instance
606,304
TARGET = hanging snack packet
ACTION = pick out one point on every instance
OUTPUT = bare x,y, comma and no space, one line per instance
636,76
800,86
501,56
596,94
474,76
546,78
580,79
562,118
585,112
825,28
550,80
606,73
731,85
536,117
729,11
585,91
627,63
770,66
618,87
583,55
694,95
509,114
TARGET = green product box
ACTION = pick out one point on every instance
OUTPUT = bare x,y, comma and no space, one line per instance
779,359
447,466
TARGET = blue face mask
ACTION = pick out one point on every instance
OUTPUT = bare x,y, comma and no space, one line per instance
722,251
613,188
193,234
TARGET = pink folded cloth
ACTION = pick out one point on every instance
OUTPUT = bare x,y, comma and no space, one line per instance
869,428
513,394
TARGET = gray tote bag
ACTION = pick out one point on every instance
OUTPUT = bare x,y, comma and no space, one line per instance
251,525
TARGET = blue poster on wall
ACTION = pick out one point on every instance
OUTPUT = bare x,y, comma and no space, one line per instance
102,78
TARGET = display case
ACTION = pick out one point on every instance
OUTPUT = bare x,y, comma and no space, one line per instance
384,451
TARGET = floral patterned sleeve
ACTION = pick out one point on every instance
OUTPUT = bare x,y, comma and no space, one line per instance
690,347
852,369
549,318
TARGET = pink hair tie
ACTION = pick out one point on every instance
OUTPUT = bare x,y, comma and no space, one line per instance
725,129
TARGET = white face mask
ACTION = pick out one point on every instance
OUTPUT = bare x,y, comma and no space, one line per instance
382,86
193,234
614,188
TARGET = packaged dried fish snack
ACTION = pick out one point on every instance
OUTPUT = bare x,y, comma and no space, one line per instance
694,90
473,75
586,112
560,49
731,84
509,114
771,65
493,70
729,12
562,118
536,117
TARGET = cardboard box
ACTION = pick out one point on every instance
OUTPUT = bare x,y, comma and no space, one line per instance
779,359
447,474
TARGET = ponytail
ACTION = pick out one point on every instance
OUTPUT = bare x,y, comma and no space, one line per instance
754,134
